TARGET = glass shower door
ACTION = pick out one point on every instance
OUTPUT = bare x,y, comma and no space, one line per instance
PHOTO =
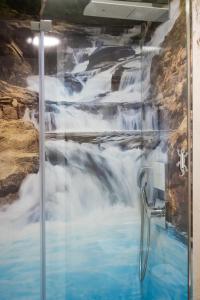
93,145
165,190
116,140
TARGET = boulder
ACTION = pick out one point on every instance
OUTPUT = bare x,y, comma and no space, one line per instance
14,100
18,140
19,150
116,79
18,59
19,156
72,83
109,54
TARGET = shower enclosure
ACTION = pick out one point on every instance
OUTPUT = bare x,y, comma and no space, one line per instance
112,195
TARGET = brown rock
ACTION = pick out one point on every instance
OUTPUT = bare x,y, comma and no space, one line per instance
18,156
15,103
169,87
14,100
14,66
10,93
10,113
179,89
1,114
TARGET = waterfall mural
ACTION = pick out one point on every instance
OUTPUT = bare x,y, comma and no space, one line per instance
103,124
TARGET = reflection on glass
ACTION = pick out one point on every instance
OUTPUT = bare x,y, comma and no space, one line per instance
49,41
102,126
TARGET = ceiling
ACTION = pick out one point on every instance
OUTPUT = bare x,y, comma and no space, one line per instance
72,11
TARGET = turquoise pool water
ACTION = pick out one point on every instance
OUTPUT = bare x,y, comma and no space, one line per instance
93,258
167,274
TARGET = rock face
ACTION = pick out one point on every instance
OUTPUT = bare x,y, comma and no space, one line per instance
72,83
18,138
18,156
116,79
169,88
14,100
109,54
17,57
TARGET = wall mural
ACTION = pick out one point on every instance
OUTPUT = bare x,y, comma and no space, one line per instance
110,109
169,88
19,157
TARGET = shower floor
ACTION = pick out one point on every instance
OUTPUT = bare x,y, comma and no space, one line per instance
94,258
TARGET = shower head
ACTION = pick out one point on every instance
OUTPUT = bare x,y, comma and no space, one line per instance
128,10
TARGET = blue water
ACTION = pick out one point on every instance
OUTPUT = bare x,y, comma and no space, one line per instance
93,258
167,274
100,257
19,263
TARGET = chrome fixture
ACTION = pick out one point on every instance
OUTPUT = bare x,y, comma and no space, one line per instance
140,11
42,25
151,181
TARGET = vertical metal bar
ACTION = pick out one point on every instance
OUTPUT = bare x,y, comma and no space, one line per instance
189,135
42,164
195,38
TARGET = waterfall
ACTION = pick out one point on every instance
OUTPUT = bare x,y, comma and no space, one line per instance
93,155
127,79
108,174
75,119
151,121
157,38
81,67
80,57
30,117
109,177
99,84
54,88
83,177
83,53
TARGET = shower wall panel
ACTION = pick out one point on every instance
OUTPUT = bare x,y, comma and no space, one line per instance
102,119
168,92
93,148
19,194
165,86
109,111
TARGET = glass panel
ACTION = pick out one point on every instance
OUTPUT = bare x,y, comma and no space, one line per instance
117,190
19,160
116,143
164,68
93,149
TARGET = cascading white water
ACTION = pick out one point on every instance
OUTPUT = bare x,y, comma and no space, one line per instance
80,179
126,80
30,116
151,121
73,119
152,48
92,214
54,88
83,178
97,89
